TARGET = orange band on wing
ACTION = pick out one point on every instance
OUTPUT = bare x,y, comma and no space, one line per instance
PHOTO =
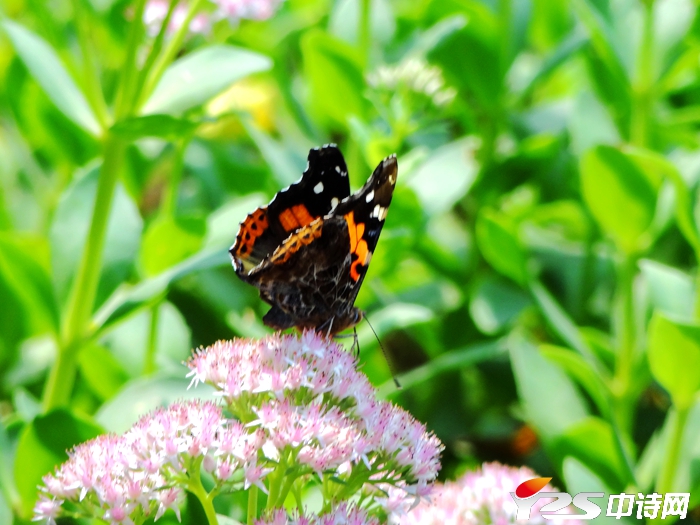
295,241
358,245
252,227
295,217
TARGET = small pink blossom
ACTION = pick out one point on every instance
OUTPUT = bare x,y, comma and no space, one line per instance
340,514
478,497
213,10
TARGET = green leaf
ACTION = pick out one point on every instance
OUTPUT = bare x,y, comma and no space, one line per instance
496,235
7,482
456,359
434,35
162,126
606,68
559,320
495,303
345,23
43,445
620,195
332,69
127,300
101,371
580,371
128,342
671,291
142,395
593,442
475,74
451,166
24,275
69,229
46,67
199,76
551,401
580,478
674,358
168,241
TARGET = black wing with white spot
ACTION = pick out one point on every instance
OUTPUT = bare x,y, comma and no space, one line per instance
364,214
322,186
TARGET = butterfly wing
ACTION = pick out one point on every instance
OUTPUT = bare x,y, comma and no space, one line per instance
323,185
364,213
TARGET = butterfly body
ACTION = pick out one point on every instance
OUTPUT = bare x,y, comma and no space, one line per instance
308,250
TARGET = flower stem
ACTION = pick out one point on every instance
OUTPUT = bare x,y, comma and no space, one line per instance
205,499
155,51
170,52
643,89
252,504
93,90
669,466
364,30
124,104
150,360
625,331
82,298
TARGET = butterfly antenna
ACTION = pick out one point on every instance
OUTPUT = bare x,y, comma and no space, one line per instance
391,367
356,342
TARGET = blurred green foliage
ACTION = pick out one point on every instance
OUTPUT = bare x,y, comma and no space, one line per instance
535,286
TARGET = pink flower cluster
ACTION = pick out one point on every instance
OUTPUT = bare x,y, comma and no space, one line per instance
307,397
301,411
341,514
142,472
214,10
480,497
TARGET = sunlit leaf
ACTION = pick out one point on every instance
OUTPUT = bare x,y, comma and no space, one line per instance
451,166
593,442
620,195
671,291
494,303
168,241
581,372
46,67
550,399
498,240
199,76
674,357
333,72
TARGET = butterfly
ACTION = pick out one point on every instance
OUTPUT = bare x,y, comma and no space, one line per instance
308,250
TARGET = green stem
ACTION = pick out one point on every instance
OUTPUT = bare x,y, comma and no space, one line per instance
155,51
170,52
93,89
643,89
364,30
625,332
669,466
505,9
207,501
82,298
170,200
124,104
150,360
252,504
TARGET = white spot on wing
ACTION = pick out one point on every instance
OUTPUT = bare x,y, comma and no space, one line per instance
379,212
334,202
318,188
370,196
